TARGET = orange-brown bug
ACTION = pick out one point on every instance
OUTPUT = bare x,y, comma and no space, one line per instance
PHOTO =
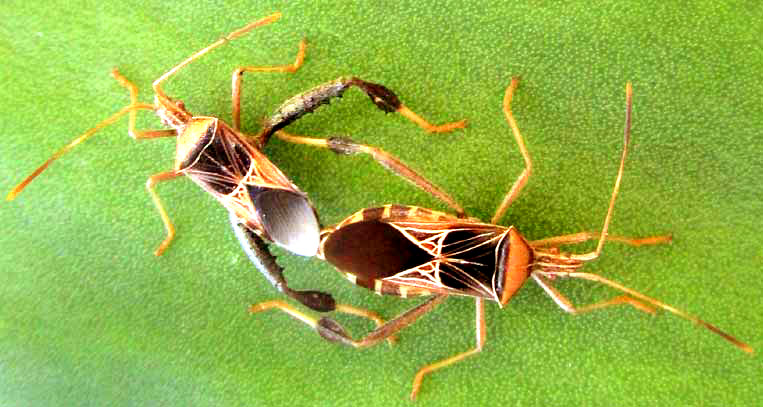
228,164
408,251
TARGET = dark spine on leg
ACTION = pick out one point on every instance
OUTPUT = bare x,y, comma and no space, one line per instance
311,100
305,103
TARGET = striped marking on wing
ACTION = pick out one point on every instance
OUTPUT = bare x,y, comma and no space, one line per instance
449,259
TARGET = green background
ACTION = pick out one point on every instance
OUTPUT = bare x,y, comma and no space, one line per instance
88,316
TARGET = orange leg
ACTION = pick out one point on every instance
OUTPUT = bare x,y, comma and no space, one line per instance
332,331
516,188
152,181
309,101
480,333
429,127
239,73
388,161
314,323
582,237
138,134
565,304
632,297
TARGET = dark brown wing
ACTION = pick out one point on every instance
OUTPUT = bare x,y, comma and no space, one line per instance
403,250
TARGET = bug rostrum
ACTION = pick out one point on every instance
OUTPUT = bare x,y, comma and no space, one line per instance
228,164
408,251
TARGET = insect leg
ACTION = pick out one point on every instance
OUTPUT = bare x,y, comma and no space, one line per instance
343,145
582,237
152,181
333,332
387,101
309,101
138,134
364,313
481,335
314,323
633,294
525,175
239,73
565,304
259,254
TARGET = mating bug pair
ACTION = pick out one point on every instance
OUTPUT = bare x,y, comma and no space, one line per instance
397,250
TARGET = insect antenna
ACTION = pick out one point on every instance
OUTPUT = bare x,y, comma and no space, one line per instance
551,260
230,37
127,109
626,136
